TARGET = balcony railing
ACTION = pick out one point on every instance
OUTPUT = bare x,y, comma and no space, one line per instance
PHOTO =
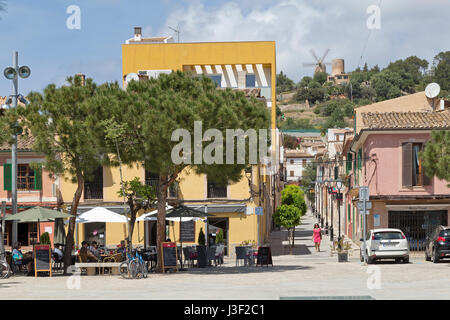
173,189
216,192
93,190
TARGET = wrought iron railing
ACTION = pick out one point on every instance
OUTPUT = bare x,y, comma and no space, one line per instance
93,190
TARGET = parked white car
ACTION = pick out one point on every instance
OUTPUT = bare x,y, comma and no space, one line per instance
386,244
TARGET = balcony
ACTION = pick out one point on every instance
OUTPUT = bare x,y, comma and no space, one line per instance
93,190
215,191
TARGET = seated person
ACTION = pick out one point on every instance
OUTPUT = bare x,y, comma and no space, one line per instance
94,249
86,255
18,256
122,248
58,251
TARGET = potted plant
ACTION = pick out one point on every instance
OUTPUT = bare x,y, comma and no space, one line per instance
45,238
342,249
201,249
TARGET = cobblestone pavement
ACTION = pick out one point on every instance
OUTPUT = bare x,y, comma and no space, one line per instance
304,274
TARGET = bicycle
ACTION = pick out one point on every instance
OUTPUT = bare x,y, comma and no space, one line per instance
142,268
128,268
134,267
5,270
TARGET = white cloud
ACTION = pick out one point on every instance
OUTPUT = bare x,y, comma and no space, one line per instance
297,26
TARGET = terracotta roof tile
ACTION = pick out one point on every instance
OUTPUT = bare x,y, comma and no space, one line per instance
406,120
24,143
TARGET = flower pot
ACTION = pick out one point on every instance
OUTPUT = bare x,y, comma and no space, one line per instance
342,256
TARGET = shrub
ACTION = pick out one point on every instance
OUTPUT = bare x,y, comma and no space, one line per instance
45,238
201,237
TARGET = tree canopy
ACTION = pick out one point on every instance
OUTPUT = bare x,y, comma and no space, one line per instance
436,155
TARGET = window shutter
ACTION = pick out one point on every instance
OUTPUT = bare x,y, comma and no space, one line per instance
7,176
407,165
349,162
359,158
426,180
38,178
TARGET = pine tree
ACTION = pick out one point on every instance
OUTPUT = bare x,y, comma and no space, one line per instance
436,155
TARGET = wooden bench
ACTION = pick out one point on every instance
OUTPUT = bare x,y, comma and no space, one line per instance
90,267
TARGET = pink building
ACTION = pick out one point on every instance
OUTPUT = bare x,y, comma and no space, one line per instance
384,155
34,188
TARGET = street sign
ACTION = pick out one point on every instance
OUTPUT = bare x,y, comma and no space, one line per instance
364,193
367,212
259,211
361,205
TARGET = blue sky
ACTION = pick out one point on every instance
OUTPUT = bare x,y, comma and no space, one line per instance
37,29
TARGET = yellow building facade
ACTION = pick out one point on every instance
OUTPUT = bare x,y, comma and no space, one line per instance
248,66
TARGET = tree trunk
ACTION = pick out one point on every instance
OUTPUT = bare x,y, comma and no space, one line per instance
293,238
71,230
161,222
131,223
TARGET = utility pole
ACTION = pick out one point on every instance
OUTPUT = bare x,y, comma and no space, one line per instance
13,73
14,149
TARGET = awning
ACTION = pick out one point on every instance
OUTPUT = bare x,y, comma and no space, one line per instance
220,208
418,207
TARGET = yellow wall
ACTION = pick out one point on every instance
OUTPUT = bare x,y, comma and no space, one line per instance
173,56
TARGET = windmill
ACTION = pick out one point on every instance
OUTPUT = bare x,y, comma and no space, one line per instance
319,65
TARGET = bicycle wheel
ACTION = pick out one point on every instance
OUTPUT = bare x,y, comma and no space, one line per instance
5,271
123,269
133,269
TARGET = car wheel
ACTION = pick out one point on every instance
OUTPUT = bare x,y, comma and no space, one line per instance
406,260
361,257
427,258
398,260
434,257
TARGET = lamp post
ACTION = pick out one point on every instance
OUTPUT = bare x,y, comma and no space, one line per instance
327,186
13,73
339,187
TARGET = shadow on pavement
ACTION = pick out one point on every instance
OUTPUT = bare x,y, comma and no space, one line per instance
4,285
246,269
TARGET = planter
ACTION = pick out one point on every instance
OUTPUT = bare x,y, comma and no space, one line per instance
201,252
342,256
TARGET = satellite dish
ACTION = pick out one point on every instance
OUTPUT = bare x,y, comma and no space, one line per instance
131,76
432,90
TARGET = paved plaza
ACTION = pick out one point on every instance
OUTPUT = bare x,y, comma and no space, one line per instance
305,274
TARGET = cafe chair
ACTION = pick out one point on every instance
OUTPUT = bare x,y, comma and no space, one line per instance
18,266
211,255
57,262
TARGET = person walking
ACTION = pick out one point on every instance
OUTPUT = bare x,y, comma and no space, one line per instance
317,236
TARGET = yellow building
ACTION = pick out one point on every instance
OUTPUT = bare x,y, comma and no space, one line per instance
248,66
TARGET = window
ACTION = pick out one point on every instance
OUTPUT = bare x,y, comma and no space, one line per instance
93,186
412,171
292,173
292,161
27,178
217,79
349,162
250,80
388,236
336,173
304,162
216,190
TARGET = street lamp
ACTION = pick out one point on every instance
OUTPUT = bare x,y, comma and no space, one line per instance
328,185
339,187
13,73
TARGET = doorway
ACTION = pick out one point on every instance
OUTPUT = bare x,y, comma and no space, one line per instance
214,224
95,231
417,225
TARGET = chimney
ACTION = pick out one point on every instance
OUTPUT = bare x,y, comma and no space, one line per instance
83,78
137,33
